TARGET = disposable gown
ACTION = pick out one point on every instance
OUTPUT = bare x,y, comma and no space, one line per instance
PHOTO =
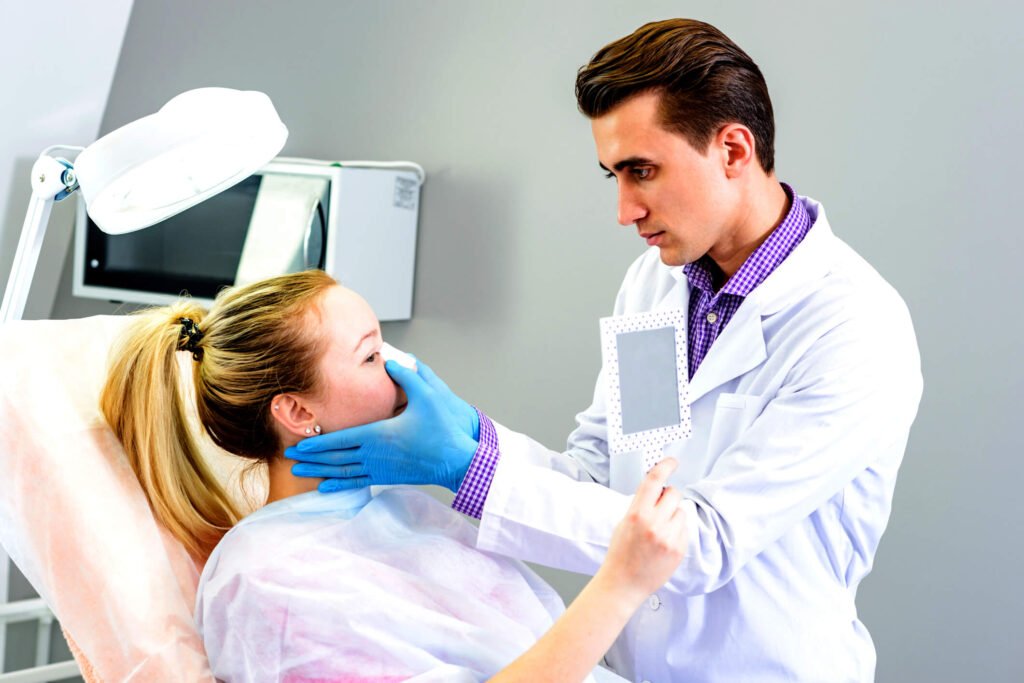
353,587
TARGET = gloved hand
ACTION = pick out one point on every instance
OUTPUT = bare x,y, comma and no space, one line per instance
432,442
465,413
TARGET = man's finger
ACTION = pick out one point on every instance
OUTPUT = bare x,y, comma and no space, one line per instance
305,469
332,485
350,456
430,377
414,386
340,440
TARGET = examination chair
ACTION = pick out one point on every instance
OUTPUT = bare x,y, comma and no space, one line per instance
75,520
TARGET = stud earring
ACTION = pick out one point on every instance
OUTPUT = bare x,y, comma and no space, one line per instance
308,430
277,407
316,428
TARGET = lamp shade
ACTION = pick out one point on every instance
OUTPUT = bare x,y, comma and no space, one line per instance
199,143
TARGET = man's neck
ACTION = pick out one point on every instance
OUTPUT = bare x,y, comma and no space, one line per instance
765,210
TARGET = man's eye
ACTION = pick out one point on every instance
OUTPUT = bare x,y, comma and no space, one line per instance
642,173
372,357
609,174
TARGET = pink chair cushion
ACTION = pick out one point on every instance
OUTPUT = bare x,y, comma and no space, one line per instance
73,517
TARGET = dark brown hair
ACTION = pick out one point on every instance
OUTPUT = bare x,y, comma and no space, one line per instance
705,81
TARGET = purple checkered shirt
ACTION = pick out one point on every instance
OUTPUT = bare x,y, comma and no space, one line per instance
472,493
710,312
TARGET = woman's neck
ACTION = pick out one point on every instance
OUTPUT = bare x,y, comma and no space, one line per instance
283,483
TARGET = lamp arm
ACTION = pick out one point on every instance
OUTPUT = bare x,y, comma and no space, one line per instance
52,180
25,258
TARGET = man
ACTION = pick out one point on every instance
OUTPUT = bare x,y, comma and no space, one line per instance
804,381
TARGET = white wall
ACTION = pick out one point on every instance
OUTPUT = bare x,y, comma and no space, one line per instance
58,59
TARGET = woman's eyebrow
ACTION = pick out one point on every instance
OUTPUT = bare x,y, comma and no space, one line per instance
368,335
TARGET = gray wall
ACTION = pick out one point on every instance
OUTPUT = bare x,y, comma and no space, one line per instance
903,118
52,94
45,102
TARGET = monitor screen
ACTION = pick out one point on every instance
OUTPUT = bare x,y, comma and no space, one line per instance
197,251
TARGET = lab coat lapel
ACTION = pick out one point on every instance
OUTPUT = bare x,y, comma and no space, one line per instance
739,349
678,296
741,346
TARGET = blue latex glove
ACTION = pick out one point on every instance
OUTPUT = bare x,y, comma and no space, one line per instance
465,413
432,442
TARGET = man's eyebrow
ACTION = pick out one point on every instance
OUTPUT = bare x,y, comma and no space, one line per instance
628,163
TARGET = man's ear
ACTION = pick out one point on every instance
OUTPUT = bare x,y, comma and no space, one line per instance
295,414
738,148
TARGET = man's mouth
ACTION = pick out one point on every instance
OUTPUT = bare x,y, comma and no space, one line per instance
652,238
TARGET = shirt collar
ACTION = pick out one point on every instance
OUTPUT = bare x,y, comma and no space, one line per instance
760,264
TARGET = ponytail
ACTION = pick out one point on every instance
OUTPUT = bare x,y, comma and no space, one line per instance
144,403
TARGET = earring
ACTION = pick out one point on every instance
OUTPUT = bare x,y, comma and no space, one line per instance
277,407
308,430
316,428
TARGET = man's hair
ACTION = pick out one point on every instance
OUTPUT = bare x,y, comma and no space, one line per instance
705,81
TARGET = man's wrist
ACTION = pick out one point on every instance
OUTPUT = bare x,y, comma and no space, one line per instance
476,484
475,422
463,454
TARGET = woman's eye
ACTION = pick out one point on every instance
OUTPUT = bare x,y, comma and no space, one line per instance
372,358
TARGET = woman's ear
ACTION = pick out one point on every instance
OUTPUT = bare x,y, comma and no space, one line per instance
294,414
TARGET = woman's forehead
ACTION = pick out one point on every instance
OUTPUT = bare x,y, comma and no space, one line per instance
348,317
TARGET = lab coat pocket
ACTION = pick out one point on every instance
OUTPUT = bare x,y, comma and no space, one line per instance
734,413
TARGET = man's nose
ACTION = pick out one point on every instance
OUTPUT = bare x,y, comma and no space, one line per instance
631,209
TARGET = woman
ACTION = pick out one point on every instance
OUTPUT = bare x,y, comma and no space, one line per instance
343,586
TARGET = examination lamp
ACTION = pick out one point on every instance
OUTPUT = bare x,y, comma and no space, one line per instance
200,143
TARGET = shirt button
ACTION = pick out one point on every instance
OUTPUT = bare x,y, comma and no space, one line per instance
654,602
712,317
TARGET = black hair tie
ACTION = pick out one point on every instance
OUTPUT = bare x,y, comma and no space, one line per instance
190,337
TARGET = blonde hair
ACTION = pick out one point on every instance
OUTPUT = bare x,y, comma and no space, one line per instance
256,341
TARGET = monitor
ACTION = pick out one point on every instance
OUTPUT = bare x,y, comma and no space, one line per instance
355,220
276,221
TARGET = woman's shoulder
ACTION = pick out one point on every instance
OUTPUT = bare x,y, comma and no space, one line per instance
277,532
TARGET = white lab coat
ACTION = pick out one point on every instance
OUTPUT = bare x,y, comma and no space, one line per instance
801,412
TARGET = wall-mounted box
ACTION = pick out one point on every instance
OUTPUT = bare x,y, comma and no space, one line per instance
357,223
